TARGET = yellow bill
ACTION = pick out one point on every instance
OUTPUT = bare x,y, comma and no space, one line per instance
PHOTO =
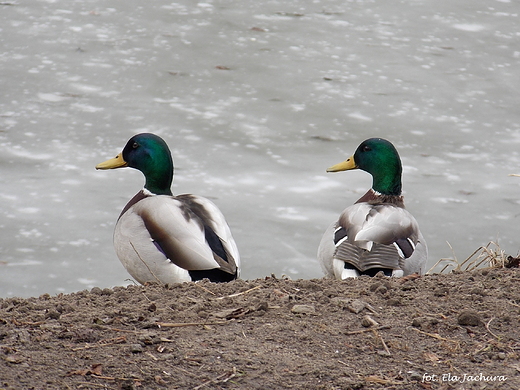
346,165
116,162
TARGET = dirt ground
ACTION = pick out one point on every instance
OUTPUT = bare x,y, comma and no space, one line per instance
454,331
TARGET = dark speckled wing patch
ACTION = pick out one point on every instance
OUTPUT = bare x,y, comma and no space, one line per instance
405,246
340,234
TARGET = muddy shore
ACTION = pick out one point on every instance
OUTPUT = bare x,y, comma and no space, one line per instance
453,331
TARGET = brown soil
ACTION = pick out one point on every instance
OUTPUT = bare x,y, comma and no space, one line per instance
456,331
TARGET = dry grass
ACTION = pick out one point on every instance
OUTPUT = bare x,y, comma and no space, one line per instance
489,256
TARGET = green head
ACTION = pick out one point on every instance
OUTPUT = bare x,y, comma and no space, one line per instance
149,154
378,157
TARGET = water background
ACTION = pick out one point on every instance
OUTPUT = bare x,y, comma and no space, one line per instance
256,99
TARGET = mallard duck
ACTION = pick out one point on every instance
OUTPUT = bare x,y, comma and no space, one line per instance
164,238
376,233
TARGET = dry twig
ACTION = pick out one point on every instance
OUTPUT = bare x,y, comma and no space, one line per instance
204,288
367,330
229,375
489,330
436,336
91,384
381,381
181,324
126,330
382,341
240,293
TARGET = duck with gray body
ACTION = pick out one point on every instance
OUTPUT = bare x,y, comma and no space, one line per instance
164,238
376,233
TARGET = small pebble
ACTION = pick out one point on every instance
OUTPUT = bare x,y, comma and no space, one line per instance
339,301
424,322
356,306
303,309
469,317
96,290
148,339
382,290
107,291
415,376
368,321
441,291
127,384
393,302
53,315
136,348
14,358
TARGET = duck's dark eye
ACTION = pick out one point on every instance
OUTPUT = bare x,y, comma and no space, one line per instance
367,148
135,145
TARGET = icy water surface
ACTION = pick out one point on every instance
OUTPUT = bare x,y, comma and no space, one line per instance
256,99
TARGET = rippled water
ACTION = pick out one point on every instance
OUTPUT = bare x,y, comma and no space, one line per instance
256,100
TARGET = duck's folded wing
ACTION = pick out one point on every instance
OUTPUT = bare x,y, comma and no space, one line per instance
367,224
218,233
175,232
416,263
